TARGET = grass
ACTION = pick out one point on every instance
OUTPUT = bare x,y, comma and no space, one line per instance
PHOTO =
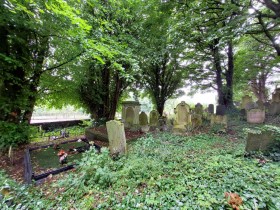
161,171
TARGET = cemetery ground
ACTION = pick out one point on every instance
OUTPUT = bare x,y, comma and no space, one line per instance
206,168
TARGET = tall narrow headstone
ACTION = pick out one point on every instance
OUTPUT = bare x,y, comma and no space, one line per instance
116,135
182,117
154,118
198,109
211,108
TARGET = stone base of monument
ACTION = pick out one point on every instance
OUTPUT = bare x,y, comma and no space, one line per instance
92,134
255,116
179,129
260,141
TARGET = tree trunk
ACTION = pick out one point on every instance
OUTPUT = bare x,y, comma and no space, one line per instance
218,71
229,77
258,86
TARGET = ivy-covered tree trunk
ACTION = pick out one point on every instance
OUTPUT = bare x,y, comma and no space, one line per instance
224,84
218,71
229,77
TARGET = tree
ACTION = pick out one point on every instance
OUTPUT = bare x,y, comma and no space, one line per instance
103,84
264,23
31,35
161,65
255,64
210,42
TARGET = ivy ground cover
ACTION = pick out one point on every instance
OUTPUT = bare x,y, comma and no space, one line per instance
161,171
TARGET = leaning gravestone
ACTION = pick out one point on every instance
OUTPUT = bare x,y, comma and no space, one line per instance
116,135
154,116
221,110
143,119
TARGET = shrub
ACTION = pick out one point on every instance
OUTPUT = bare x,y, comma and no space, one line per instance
12,134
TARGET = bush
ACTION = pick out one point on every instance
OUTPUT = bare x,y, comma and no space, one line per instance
12,134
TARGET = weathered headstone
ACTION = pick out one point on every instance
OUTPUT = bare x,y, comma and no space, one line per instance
255,116
219,119
154,118
221,110
116,135
143,119
259,141
245,99
130,113
182,114
182,117
211,108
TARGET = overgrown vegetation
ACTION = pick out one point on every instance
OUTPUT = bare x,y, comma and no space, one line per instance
161,171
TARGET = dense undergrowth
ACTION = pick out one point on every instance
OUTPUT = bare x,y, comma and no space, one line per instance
161,171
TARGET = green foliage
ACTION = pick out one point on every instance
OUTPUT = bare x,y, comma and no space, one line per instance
13,134
164,171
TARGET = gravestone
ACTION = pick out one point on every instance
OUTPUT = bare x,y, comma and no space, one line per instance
260,141
182,114
245,100
211,108
255,116
154,118
221,110
219,119
143,119
274,108
116,135
276,95
198,109
130,113
182,117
